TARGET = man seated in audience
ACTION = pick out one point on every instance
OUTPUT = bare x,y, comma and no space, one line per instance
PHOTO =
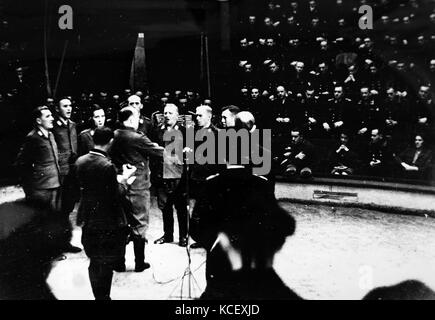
300,156
282,110
256,105
394,116
342,159
422,114
377,156
369,114
309,114
337,113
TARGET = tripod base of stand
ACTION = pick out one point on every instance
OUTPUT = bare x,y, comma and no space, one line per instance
187,288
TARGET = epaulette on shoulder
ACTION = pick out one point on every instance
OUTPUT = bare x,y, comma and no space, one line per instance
212,177
84,132
32,133
261,177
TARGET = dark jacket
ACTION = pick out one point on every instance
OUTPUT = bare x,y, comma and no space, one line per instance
337,110
343,158
243,206
38,162
66,139
263,284
308,149
86,141
423,162
380,151
200,172
161,168
101,194
134,148
145,125
368,115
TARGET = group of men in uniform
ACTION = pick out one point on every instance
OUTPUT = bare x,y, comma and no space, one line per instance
46,163
109,171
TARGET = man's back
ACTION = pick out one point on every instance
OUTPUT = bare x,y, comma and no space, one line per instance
134,148
100,201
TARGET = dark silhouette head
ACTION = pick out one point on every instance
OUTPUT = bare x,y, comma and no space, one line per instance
406,290
30,239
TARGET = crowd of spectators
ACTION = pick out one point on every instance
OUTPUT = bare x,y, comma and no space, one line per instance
358,98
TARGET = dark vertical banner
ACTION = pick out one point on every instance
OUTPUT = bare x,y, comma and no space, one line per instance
138,72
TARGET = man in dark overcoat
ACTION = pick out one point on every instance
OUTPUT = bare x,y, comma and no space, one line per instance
101,212
133,147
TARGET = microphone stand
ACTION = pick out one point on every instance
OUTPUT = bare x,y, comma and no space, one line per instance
191,281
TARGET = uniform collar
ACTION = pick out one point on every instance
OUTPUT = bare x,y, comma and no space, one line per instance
98,152
43,132
62,122
164,127
128,128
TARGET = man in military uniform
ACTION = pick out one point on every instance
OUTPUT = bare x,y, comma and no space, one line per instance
101,212
131,146
228,116
200,172
421,114
38,163
377,155
145,125
309,114
167,179
65,134
203,123
300,156
369,114
336,115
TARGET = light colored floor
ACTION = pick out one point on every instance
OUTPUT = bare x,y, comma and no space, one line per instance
335,253
69,278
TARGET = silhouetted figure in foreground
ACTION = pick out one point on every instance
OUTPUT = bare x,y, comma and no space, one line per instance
242,227
30,239
406,290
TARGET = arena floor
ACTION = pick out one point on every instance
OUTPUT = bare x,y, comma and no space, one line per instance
336,253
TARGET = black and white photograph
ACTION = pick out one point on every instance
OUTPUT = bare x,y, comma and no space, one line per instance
193,151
